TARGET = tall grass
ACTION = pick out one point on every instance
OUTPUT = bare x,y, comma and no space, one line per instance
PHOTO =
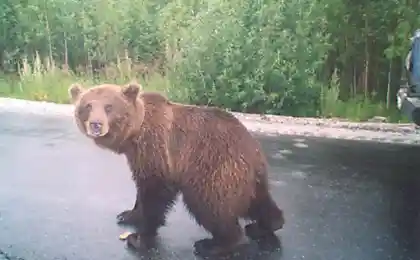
43,80
245,56
358,108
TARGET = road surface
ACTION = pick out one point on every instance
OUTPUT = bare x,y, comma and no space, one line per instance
343,200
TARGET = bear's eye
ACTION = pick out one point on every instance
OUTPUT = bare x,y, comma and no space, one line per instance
83,110
108,108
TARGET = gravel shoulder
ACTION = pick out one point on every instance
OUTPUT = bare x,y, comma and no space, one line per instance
266,124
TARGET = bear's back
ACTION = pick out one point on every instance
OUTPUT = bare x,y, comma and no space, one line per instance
187,138
213,137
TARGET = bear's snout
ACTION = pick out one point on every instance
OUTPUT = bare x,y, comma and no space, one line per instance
96,128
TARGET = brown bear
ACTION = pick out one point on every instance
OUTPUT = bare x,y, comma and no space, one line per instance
204,153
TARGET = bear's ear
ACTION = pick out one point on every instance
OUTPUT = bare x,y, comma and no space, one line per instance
131,91
75,90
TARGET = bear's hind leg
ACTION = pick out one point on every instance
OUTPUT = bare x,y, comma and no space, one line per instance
227,234
267,215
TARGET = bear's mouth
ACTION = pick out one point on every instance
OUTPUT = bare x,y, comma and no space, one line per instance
95,129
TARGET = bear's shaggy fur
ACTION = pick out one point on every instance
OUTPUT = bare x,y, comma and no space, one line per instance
204,153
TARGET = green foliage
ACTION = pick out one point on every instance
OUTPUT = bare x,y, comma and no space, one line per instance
332,58
255,59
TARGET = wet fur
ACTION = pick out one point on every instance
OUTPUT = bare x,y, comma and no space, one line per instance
204,153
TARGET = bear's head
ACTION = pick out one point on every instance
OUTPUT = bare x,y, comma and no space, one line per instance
108,113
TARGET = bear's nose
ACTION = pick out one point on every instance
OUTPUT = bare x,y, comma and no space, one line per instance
95,126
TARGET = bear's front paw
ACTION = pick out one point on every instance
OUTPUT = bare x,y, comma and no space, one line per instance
140,242
129,217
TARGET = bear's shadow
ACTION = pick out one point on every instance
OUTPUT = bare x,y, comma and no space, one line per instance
263,249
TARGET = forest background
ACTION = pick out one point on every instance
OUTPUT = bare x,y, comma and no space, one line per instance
312,58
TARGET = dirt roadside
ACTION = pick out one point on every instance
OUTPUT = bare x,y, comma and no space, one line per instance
265,124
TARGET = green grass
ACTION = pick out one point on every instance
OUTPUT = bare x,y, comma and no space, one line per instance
53,88
357,109
50,83
362,110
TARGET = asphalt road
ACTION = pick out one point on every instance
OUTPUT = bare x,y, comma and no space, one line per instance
343,200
